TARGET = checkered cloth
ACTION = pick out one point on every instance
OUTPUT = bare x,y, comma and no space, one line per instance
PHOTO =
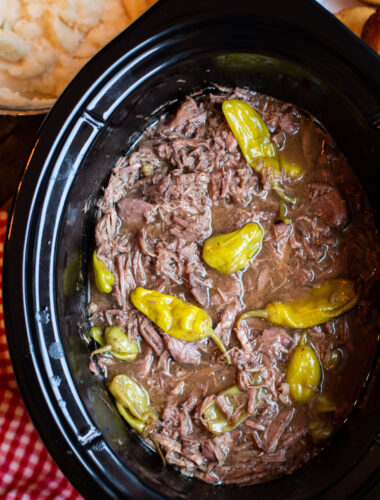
27,471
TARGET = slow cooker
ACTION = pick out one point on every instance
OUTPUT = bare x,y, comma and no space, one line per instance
295,51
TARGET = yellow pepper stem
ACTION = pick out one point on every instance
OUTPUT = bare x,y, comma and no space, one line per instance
283,212
158,448
132,421
261,313
281,194
101,350
214,336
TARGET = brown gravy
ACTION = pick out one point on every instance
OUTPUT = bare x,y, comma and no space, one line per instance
187,180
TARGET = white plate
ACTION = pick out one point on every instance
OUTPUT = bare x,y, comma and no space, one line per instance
337,5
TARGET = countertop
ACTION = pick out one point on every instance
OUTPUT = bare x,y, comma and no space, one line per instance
17,136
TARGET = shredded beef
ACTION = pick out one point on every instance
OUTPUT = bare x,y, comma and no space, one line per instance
330,207
227,319
133,211
150,335
181,351
144,367
188,111
185,181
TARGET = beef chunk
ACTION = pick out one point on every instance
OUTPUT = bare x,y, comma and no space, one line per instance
132,211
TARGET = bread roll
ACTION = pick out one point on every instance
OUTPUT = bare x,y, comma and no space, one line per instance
355,18
371,31
372,2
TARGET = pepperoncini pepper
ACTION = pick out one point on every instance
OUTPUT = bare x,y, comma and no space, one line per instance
291,169
325,404
116,342
254,140
97,334
72,274
320,430
104,279
216,420
231,252
133,403
176,317
329,300
251,133
303,373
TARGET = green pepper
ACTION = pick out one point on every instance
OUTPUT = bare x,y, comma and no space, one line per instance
255,142
116,342
104,279
303,373
176,317
216,420
329,300
133,403
231,252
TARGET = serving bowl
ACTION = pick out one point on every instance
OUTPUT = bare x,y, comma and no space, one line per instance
24,110
295,52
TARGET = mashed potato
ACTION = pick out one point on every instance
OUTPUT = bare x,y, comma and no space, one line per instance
43,43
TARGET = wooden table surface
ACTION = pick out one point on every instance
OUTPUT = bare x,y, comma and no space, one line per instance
17,136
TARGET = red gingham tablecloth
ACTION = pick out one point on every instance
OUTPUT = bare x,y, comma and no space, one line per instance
27,472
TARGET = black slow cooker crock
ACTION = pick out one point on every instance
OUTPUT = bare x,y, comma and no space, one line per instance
295,51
